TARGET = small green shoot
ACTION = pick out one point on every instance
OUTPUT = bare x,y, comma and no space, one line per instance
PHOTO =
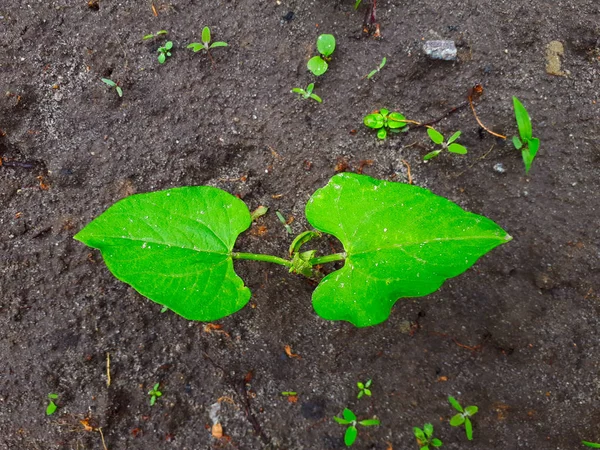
462,418
284,222
307,93
205,45
363,388
376,71
590,444
164,309
112,84
154,393
164,52
450,145
528,145
425,437
153,35
384,121
289,393
51,408
357,4
326,46
349,418
258,212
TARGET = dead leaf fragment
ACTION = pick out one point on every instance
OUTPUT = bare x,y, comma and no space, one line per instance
288,352
217,431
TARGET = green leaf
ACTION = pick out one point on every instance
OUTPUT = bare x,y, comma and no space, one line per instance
119,91
517,142
152,400
169,45
529,152
348,415
435,136
431,155
425,448
111,83
357,4
468,429
360,385
158,33
342,421
396,120
206,35
590,444
51,409
373,120
368,383
218,44
428,429
471,410
161,58
384,112
436,442
523,121
454,137
457,420
299,91
174,247
382,133
316,98
326,44
317,65
383,61
360,394
369,422
147,36
350,436
52,396
419,434
195,46
457,148
373,72
367,392
400,241
310,88
455,404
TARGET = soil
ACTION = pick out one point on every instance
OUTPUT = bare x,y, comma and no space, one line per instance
518,334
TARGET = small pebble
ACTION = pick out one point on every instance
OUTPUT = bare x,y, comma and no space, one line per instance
445,50
499,167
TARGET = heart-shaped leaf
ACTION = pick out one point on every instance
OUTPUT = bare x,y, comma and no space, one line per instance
400,241
174,247
317,65
326,44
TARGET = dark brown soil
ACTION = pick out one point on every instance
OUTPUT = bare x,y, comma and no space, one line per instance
518,334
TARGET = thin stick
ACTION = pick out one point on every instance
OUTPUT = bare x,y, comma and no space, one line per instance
102,437
107,369
410,180
479,121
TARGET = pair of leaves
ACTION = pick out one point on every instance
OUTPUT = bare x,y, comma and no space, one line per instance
326,46
384,120
363,388
528,145
112,84
450,145
205,45
308,93
425,437
163,52
375,71
175,246
153,35
462,418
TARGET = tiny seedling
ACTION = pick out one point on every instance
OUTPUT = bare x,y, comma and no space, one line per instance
357,4
463,417
528,145
376,71
154,393
51,408
205,45
363,388
153,35
112,84
425,437
349,418
307,93
449,145
384,121
590,444
289,393
284,222
164,52
325,46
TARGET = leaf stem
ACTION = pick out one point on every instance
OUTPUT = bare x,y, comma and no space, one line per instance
328,258
261,257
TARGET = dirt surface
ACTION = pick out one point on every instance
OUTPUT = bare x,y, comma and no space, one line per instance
518,334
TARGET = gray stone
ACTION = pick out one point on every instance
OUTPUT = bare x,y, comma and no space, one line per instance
445,50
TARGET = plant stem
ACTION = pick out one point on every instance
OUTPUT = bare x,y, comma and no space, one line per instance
328,258
262,257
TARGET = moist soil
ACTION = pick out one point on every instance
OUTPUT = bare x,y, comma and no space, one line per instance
518,334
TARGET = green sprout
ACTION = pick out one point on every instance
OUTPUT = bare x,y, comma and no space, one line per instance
112,84
284,222
363,388
528,145
425,437
289,393
449,145
463,417
357,4
325,45
349,418
205,45
153,35
164,51
154,394
307,93
51,409
384,121
376,71
590,444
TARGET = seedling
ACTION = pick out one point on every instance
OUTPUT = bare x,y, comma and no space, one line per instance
289,393
308,93
349,418
384,121
154,393
528,145
463,417
205,45
164,52
590,444
112,84
376,71
425,437
186,262
449,145
363,389
325,46
284,222
51,408
153,35
357,4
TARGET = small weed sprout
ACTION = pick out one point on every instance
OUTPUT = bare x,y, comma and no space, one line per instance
205,45
349,418
326,46
528,145
384,121
376,71
51,408
357,4
363,388
463,416
112,84
590,444
307,93
164,52
153,35
437,138
154,393
425,437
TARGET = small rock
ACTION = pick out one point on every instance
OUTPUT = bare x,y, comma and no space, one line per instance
499,167
554,51
445,50
405,327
